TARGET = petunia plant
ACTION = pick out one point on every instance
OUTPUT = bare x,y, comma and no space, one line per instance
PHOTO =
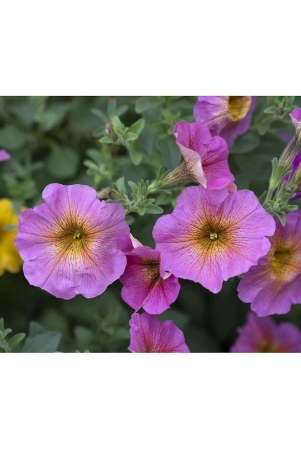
163,221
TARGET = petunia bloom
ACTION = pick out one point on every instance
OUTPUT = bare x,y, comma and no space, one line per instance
212,236
263,335
4,155
228,117
274,284
70,242
145,282
149,335
206,157
9,257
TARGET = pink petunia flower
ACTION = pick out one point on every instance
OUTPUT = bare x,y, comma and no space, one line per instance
70,242
263,335
274,284
146,284
206,157
149,335
228,117
4,155
212,236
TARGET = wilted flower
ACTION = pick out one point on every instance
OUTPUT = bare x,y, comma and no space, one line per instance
4,155
206,157
228,117
145,282
149,335
263,335
70,242
296,172
212,236
274,284
9,257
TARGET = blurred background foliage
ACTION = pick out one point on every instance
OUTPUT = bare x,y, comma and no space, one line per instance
70,140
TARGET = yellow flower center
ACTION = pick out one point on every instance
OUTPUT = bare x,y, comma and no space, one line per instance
239,107
267,346
78,234
212,236
285,263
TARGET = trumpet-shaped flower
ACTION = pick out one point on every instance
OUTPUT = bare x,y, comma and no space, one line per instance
228,117
146,284
274,284
149,335
9,257
212,236
263,335
206,157
70,243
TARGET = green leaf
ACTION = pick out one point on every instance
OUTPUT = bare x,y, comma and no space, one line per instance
36,328
83,336
154,209
120,185
136,156
272,100
118,126
264,125
288,101
180,318
121,110
282,218
133,186
63,163
16,339
42,343
106,140
170,152
12,138
269,110
100,114
131,136
137,127
245,143
111,108
144,103
53,115
92,165
130,220
141,210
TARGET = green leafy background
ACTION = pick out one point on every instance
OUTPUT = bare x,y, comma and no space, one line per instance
63,139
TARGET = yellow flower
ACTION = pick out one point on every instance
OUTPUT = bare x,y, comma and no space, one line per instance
9,257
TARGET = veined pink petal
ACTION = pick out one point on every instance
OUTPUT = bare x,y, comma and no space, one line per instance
274,284
263,335
149,335
206,157
143,284
70,243
212,236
